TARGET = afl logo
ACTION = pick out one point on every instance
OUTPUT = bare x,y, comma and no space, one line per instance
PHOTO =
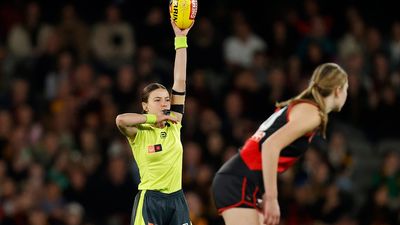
163,135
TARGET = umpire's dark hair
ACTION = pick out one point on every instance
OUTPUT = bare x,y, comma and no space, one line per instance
148,89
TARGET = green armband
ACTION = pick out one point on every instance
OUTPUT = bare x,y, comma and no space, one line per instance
150,118
181,42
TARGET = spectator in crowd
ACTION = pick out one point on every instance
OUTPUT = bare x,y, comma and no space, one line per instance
112,40
27,40
239,48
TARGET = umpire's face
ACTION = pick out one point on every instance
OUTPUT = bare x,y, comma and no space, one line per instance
158,101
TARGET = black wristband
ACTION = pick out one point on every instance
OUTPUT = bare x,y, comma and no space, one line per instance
178,108
177,92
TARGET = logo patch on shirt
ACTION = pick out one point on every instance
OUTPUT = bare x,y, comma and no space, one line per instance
258,135
163,135
154,148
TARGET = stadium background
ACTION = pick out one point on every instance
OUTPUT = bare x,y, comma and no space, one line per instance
67,68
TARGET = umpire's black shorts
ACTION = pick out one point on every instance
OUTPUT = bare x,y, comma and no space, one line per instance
156,208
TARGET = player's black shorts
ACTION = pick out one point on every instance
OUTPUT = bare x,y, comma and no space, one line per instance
233,191
153,207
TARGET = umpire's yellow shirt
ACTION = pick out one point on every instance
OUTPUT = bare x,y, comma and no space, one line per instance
158,154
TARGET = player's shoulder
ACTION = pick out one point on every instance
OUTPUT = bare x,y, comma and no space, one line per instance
306,111
306,107
305,104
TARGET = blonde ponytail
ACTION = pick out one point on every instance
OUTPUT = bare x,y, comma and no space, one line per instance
322,109
324,80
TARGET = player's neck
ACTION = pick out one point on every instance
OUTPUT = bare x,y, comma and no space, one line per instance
329,103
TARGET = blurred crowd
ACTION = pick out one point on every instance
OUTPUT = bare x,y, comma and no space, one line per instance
67,68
